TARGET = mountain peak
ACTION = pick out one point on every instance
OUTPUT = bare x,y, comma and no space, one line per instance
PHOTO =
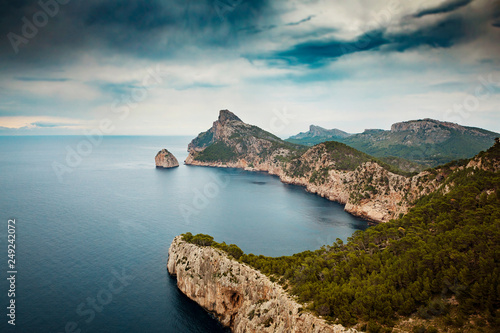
316,132
314,127
226,115
231,137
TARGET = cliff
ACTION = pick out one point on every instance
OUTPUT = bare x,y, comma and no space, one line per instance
164,159
239,296
368,188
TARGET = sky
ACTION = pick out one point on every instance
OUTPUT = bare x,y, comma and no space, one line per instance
167,67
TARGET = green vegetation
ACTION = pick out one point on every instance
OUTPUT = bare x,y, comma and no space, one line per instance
491,156
221,151
317,135
207,240
309,142
440,263
447,247
298,168
403,164
203,139
427,148
319,177
394,169
345,157
199,239
217,152
258,132
276,143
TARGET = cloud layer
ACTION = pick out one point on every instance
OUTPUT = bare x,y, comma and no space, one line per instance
345,64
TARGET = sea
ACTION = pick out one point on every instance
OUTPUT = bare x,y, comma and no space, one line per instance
93,220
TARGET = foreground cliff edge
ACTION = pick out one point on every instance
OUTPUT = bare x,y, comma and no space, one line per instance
239,296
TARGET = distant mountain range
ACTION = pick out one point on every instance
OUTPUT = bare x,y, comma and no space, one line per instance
427,142
317,134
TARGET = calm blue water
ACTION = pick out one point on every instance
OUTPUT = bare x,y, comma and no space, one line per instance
114,215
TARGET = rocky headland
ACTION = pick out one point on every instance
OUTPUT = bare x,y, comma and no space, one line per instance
239,296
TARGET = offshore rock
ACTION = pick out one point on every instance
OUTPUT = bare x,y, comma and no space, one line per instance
165,160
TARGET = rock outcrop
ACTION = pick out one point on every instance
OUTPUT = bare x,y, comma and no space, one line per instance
164,159
239,296
331,170
489,160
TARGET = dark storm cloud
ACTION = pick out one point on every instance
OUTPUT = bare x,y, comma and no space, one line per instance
445,7
496,15
444,34
301,21
254,29
140,15
317,53
146,29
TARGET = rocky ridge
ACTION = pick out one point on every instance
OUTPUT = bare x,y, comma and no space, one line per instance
426,141
418,144
239,296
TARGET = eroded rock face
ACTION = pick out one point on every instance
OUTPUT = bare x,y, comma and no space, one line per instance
164,159
239,296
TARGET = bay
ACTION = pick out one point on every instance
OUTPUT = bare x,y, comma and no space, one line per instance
100,231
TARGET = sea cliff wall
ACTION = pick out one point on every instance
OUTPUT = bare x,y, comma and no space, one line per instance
239,296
